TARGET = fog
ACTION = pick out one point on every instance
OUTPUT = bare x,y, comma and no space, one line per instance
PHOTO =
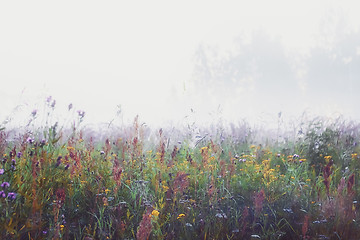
172,63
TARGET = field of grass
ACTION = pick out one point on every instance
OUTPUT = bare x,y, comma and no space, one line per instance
232,182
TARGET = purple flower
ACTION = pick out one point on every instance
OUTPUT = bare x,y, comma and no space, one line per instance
70,106
53,103
30,140
48,99
58,161
19,154
13,161
11,195
295,156
81,113
5,185
2,194
42,143
2,171
34,112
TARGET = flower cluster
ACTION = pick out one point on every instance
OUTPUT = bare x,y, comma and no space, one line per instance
10,195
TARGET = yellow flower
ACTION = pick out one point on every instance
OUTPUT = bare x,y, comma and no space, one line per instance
203,149
62,226
107,191
181,215
155,213
292,177
165,187
308,180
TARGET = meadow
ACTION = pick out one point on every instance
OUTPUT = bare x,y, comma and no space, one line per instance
218,182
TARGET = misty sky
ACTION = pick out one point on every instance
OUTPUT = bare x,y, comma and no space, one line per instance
160,59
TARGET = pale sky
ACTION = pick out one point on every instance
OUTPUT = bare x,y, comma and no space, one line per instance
160,59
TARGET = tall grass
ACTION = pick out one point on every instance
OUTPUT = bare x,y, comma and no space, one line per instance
220,182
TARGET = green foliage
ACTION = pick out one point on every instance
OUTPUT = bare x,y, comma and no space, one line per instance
222,187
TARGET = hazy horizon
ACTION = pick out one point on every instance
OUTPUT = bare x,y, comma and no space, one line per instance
165,61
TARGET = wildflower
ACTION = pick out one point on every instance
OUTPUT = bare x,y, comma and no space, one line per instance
181,215
145,226
107,191
62,226
327,158
13,161
5,185
155,213
204,149
2,171
19,154
42,143
30,140
33,113
105,201
2,194
81,113
258,201
296,156
302,160
11,195
70,106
